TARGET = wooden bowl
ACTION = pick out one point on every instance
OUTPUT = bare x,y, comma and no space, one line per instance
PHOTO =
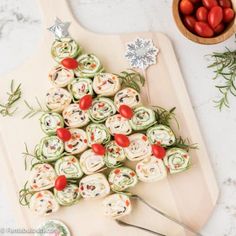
228,32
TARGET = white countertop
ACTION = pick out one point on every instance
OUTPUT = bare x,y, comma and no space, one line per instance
20,34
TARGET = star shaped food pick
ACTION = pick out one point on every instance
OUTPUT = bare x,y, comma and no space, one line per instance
60,29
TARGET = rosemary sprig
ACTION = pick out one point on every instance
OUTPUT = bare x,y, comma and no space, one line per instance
34,157
164,116
34,110
24,195
225,69
132,79
13,96
185,144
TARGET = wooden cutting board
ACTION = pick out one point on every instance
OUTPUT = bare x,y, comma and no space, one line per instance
190,196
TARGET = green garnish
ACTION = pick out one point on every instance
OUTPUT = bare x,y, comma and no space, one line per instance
164,116
34,110
185,144
13,96
132,79
25,195
225,72
34,157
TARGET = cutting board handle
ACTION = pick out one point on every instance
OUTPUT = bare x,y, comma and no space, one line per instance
234,23
56,8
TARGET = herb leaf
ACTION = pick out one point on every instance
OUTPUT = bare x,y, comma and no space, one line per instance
132,79
164,116
185,144
13,96
225,69
25,195
34,157
34,110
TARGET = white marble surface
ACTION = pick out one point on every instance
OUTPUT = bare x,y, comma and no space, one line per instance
20,32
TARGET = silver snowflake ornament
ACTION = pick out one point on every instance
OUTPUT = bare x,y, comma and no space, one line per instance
141,53
60,29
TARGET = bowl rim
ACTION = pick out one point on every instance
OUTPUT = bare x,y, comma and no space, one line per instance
229,31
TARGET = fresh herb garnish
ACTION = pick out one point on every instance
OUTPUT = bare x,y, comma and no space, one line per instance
164,116
185,144
34,110
34,157
25,195
13,96
225,70
132,79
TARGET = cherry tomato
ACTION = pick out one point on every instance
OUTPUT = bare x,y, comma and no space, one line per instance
189,22
60,182
85,102
186,7
203,29
209,3
215,16
225,3
195,1
122,140
99,149
69,63
228,15
126,111
201,14
63,134
158,151
219,28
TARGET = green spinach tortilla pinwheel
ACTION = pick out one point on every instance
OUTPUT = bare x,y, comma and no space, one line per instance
97,133
57,99
139,147
64,47
151,169
114,155
143,118
50,122
127,96
88,66
177,160
78,142
101,109
42,177
94,186
43,203
75,117
90,162
68,196
50,149
61,76
106,84
122,178
117,205
80,87
117,124
161,134
68,166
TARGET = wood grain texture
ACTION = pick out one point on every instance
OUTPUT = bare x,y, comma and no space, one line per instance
190,196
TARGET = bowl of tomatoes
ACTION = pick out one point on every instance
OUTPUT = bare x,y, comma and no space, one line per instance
205,21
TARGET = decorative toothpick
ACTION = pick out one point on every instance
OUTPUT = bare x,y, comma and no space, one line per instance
60,29
141,53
